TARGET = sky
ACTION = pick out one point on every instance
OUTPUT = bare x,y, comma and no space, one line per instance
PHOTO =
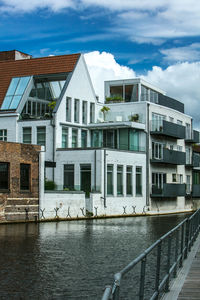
158,40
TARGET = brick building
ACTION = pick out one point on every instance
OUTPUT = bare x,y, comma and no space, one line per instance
19,181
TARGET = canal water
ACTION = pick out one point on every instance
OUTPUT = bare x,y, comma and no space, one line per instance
73,260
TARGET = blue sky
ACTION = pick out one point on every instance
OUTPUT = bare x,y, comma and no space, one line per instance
159,39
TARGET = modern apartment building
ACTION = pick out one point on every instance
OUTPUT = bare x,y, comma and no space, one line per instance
130,152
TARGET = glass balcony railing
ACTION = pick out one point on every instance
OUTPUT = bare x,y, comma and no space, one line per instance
119,116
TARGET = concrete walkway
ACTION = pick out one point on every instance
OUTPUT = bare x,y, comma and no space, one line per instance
187,284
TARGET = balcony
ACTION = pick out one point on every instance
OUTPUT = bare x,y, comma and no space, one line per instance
166,128
192,137
169,190
196,191
171,157
196,160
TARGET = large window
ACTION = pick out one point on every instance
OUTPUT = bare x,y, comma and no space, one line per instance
128,92
68,109
41,136
110,138
116,91
109,179
15,92
138,181
92,107
3,134
74,138
119,180
64,137
157,122
188,155
76,110
25,177
69,177
27,135
157,150
134,140
131,93
97,140
4,176
153,96
187,131
84,112
129,180
83,138
158,180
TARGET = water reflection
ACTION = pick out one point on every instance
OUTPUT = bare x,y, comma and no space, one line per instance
72,260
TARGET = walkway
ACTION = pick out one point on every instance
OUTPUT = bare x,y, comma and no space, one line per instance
191,287
187,284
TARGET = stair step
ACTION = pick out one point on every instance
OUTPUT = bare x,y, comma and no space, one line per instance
21,208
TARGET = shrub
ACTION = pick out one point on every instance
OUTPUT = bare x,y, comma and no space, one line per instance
50,185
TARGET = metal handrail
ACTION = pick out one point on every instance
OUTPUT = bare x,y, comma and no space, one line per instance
183,235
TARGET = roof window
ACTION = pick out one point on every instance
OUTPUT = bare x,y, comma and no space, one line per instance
15,92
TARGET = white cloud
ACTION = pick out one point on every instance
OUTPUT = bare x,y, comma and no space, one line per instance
180,81
142,21
28,6
102,67
182,54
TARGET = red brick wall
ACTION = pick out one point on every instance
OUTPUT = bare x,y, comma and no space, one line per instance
14,154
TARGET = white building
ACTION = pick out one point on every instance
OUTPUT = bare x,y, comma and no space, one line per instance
134,157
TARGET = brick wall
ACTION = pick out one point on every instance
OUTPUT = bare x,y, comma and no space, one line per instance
15,154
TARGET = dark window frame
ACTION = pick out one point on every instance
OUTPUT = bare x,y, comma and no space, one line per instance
25,178
7,187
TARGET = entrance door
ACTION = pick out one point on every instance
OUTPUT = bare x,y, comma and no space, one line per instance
86,179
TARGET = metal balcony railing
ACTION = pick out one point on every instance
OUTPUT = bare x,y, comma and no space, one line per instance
170,157
169,190
167,129
196,190
174,246
196,160
192,137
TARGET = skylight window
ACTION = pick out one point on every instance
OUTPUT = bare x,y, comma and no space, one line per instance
15,92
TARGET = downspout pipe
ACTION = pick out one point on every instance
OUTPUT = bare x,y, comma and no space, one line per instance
53,144
147,157
104,178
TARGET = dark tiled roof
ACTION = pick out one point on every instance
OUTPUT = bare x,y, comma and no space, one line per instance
34,66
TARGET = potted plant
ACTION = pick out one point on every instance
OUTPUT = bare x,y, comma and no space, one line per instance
104,110
134,118
114,99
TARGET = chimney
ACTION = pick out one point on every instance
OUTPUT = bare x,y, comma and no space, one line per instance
13,55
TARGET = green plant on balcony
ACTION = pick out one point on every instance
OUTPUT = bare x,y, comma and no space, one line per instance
114,99
134,118
105,110
52,105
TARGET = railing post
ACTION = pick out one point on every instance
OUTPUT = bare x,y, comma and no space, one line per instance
142,278
168,263
189,235
176,252
186,238
182,237
116,287
159,249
